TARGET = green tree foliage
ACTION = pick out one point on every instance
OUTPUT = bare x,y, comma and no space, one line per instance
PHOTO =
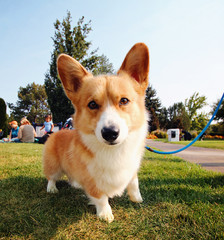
178,117
186,120
153,105
216,129
194,103
103,66
32,103
163,118
3,118
220,114
199,122
185,115
72,41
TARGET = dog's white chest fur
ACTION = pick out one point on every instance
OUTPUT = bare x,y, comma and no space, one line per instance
113,167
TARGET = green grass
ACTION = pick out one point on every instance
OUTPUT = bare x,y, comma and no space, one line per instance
181,201
216,144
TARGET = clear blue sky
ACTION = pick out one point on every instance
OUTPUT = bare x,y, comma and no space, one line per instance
185,39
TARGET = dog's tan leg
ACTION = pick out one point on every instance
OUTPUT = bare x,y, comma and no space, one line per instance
103,209
52,170
133,190
51,186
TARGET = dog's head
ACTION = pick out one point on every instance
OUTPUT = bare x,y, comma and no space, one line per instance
109,107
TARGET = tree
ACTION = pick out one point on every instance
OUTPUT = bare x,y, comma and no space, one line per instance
185,120
72,41
103,66
3,118
220,113
153,105
216,129
178,117
163,118
199,122
184,115
32,103
194,103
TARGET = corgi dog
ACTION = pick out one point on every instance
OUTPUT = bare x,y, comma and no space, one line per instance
103,154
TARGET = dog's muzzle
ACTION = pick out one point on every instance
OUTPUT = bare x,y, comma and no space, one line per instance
110,134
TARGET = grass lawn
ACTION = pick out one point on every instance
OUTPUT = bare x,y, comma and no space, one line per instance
181,201
217,144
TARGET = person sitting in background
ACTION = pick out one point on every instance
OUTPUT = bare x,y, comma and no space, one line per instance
48,124
187,136
13,135
68,124
26,131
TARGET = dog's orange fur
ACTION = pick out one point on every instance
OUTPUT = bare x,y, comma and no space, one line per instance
68,152
60,159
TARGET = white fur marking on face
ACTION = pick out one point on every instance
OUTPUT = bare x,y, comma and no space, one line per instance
110,117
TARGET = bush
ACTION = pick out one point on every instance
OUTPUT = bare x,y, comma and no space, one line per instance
194,134
216,129
216,137
151,136
160,134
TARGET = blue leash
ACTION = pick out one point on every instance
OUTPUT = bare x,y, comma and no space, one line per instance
187,146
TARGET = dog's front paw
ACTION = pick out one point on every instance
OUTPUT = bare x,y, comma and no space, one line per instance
75,185
136,197
133,191
106,214
103,209
51,187
52,190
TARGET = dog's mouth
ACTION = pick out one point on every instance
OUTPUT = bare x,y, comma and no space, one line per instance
112,144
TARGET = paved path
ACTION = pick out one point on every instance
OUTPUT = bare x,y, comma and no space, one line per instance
211,159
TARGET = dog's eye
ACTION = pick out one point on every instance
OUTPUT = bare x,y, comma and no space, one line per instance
124,101
93,105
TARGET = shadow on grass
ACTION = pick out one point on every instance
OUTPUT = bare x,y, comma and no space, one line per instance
189,190
28,211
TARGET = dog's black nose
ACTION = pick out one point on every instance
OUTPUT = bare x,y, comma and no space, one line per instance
110,134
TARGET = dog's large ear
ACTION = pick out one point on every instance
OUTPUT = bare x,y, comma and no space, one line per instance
136,64
71,73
